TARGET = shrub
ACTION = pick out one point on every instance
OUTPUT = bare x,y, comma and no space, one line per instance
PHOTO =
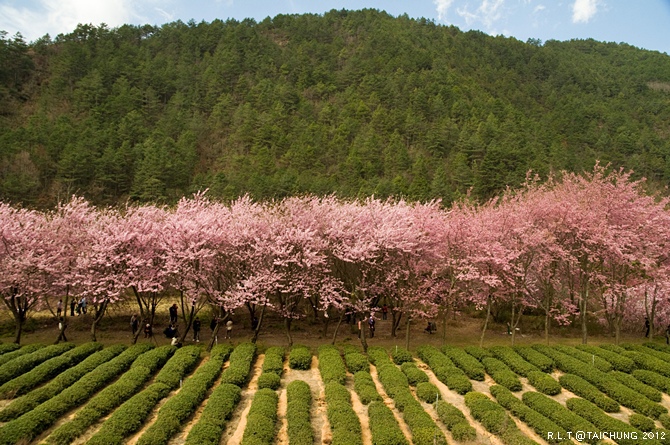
477,352
365,388
653,379
344,423
538,422
300,358
559,414
541,361
444,369
59,383
544,383
657,346
32,423
299,401
427,392
494,418
261,419
618,361
274,360
401,355
331,365
466,362
414,374
181,363
606,423
155,358
501,374
594,360
220,406
383,426
28,349
644,361
239,365
660,355
25,363
378,356
269,380
356,362
8,347
47,370
665,420
455,422
584,389
641,422
636,385
515,362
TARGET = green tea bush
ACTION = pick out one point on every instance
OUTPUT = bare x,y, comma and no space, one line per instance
260,429
455,422
356,361
414,374
378,356
563,417
365,388
401,355
331,365
648,362
180,364
344,423
274,360
299,402
618,361
544,383
444,369
8,347
240,363
657,346
636,385
427,392
541,361
155,358
269,380
383,426
584,389
59,383
661,355
300,358
477,352
501,374
466,362
641,422
515,362
494,418
594,360
47,370
653,379
28,349
25,363
218,410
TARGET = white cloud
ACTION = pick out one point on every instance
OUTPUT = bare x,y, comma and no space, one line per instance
539,8
488,13
442,8
584,10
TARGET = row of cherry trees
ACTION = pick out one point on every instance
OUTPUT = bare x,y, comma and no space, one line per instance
575,248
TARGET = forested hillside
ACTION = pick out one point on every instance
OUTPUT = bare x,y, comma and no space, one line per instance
351,102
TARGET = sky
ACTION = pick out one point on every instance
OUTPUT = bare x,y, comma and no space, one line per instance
641,23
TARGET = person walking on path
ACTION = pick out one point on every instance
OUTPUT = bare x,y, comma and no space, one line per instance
646,327
134,323
59,308
371,325
229,328
385,312
196,330
72,305
173,314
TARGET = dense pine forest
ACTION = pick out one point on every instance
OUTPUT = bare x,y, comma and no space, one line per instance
350,102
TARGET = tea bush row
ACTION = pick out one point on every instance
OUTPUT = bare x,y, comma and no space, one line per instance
183,404
273,367
466,362
455,421
599,363
260,429
344,423
112,396
383,425
26,362
8,347
365,388
299,402
653,379
331,365
300,358
64,380
541,361
32,423
515,362
587,391
544,383
660,355
47,370
401,355
538,422
356,361
239,367
618,361
28,349
495,419
413,373
444,369
501,373
633,383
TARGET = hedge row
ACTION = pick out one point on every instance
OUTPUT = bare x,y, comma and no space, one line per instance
661,355
260,429
636,385
423,428
618,361
299,402
183,404
427,392
592,359
356,361
365,388
47,370
468,364
455,422
112,396
32,423
384,426
445,370
657,346
344,423
648,362
641,422
538,422
608,424
501,374
604,382
331,365
378,356
544,383
653,379
495,419
28,349
401,355
584,389
515,362
541,361
413,373
273,367
8,347
300,358
477,352
26,362
239,366
223,400
563,417
59,383
130,416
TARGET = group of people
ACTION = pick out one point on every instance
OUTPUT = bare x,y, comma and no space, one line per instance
172,332
80,307
647,327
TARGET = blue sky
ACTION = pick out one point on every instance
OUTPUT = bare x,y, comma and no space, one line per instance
641,23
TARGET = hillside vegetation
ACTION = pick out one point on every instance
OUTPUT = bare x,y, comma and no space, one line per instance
351,102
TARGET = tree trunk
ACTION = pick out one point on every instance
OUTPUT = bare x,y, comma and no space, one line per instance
515,323
395,322
337,328
252,311
215,334
444,327
258,326
361,331
547,320
326,323
287,324
99,312
18,329
582,310
486,321
189,323
409,319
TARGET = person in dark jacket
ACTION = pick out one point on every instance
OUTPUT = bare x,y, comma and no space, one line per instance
196,330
